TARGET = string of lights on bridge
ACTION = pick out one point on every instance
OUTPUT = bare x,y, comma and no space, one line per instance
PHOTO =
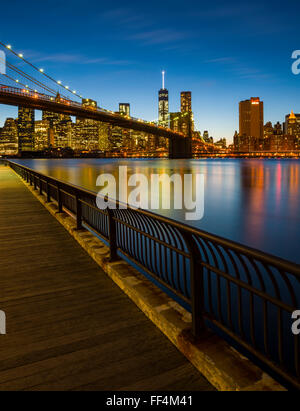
26,76
40,70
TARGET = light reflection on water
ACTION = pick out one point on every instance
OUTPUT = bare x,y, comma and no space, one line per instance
255,202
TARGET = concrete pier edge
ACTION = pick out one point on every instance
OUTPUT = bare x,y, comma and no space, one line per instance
223,366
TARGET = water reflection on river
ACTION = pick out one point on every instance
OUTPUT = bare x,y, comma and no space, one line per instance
255,202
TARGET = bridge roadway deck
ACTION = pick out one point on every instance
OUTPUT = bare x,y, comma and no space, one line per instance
69,327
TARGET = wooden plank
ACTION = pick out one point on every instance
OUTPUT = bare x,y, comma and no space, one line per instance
69,327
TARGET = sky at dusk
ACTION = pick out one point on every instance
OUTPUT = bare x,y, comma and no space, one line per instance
114,52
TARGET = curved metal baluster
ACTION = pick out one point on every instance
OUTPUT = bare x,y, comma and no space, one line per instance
158,235
219,297
252,325
204,251
237,274
277,292
153,233
228,285
160,230
136,238
179,245
216,263
290,288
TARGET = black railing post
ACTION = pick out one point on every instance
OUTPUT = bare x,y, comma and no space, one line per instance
78,212
59,199
197,287
48,192
112,235
41,187
30,179
34,182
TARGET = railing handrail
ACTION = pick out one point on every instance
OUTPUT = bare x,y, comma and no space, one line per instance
250,251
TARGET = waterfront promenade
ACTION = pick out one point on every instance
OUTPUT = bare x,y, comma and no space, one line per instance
69,326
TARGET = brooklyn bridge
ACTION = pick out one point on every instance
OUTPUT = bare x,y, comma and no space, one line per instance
22,89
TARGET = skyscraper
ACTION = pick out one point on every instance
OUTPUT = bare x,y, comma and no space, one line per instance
124,109
176,121
41,134
291,116
186,101
26,129
85,135
163,104
251,118
9,138
187,117
55,118
60,127
251,125
292,124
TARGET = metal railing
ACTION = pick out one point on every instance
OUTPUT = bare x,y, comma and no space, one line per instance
246,294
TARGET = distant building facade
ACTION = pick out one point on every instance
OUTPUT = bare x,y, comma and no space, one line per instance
163,107
26,129
292,125
124,109
41,135
287,118
9,138
163,104
251,125
186,101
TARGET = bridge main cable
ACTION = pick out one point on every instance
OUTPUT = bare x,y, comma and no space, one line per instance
28,77
41,71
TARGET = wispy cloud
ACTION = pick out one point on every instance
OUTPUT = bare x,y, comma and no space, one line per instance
240,69
127,18
76,59
225,11
160,36
224,60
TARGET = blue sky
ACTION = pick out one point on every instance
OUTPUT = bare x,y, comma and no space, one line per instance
114,52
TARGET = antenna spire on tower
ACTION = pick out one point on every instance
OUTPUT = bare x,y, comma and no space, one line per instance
163,79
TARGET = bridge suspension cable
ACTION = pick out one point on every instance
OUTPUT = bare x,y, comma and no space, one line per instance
25,86
40,70
27,77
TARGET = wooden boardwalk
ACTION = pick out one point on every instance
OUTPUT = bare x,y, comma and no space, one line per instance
69,327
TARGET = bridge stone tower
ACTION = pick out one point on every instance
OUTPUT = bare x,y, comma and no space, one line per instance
180,147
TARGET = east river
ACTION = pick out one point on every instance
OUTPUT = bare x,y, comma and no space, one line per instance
253,201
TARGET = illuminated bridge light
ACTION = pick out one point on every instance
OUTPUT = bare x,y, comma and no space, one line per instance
41,70
67,87
20,55
59,82
8,46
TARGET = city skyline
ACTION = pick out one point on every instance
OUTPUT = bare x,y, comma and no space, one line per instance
166,117
138,44
58,131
